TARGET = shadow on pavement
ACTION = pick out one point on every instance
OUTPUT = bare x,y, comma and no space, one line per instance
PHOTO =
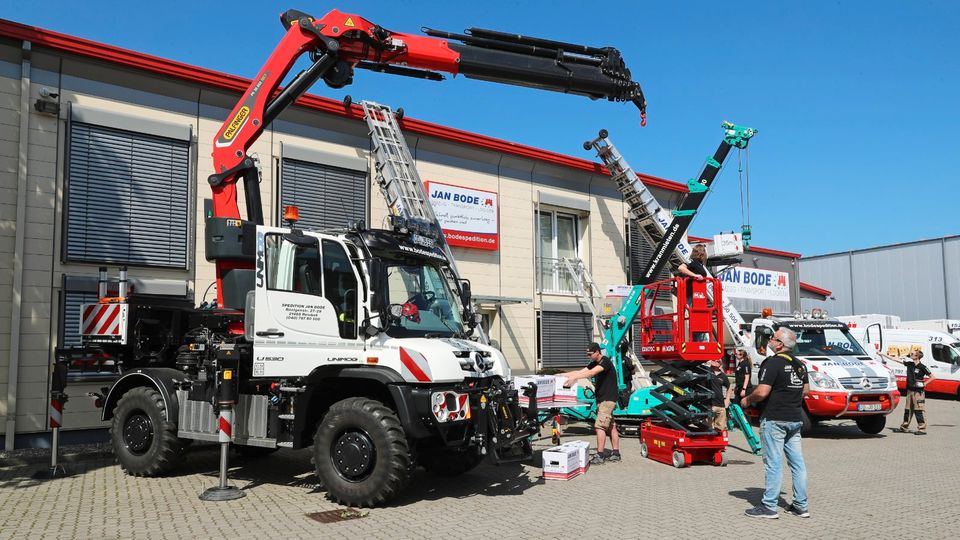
753,495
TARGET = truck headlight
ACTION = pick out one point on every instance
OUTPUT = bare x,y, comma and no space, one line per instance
824,381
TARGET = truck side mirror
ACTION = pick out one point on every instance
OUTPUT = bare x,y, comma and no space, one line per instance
369,329
465,294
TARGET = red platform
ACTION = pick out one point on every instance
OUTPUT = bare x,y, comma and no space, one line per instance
677,448
694,331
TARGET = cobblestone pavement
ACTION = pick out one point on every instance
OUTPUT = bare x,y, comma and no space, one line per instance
860,487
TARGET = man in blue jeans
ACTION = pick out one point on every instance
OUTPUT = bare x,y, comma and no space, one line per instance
781,386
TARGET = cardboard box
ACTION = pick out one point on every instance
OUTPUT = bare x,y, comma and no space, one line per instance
564,395
545,387
561,463
583,453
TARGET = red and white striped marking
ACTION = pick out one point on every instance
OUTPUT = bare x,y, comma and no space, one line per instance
56,413
101,319
226,425
414,366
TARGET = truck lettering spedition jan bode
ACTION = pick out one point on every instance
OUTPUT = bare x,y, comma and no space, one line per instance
352,342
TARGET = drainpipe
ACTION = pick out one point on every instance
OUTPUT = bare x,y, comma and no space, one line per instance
21,221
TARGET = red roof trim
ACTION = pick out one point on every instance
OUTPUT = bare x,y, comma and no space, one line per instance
224,81
815,289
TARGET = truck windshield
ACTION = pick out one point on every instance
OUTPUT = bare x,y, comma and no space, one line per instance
826,342
430,308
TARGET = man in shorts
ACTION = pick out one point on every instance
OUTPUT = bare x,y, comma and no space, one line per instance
605,391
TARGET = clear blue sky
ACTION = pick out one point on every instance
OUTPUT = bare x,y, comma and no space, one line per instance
856,102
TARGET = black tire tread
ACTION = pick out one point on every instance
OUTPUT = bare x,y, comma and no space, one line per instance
172,448
400,467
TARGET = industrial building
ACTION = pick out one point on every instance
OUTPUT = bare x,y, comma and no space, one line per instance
104,155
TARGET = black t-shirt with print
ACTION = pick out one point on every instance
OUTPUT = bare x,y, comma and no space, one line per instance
605,382
916,371
786,376
740,377
697,268
719,384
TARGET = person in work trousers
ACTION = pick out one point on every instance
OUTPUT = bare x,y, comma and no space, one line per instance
720,385
914,402
741,376
782,383
604,373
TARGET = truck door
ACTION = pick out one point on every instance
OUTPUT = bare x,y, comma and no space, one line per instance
296,325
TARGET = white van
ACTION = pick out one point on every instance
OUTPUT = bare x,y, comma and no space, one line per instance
845,381
941,353
947,326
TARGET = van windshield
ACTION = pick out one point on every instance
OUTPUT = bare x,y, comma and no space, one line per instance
826,342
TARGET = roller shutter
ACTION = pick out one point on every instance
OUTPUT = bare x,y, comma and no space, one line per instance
127,197
328,197
564,338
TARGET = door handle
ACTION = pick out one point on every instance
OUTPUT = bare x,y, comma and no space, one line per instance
270,332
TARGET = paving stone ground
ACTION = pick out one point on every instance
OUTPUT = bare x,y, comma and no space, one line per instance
860,487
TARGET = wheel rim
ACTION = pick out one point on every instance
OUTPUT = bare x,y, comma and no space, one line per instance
354,456
138,433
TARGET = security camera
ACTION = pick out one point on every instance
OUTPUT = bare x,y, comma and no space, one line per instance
49,94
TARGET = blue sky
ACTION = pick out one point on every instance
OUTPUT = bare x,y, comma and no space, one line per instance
856,102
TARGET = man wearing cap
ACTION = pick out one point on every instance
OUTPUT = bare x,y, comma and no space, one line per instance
605,395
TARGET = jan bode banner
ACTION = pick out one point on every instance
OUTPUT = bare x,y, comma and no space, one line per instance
469,217
756,284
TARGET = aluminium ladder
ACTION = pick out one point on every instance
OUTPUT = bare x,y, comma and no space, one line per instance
660,227
400,182
588,291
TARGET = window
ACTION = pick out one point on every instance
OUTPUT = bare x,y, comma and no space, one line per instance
944,353
557,240
340,285
127,196
429,305
293,266
328,197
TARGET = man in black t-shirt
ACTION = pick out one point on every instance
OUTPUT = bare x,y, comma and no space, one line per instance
915,399
720,385
605,394
782,384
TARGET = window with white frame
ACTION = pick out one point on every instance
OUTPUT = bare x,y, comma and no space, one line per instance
558,236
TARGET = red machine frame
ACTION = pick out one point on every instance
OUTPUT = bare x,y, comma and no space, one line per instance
673,336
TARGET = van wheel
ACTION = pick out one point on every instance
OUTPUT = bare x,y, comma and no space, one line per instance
144,442
360,453
872,424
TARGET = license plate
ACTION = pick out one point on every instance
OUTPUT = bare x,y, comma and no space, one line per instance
869,407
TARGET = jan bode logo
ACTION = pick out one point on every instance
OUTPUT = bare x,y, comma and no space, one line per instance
462,198
236,123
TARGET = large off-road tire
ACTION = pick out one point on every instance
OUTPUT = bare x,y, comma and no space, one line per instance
144,441
360,453
450,462
872,424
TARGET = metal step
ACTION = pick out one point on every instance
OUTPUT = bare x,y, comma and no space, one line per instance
293,389
286,416
285,444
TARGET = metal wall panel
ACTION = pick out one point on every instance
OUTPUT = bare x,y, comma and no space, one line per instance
126,197
914,281
564,338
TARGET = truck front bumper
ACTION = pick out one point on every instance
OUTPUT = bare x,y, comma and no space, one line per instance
844,404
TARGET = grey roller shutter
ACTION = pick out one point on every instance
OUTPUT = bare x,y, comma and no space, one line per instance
126,197
639,252
564,338
328,197
70,317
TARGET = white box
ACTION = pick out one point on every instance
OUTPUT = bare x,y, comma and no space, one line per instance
564,395
561,463
583,453
545,387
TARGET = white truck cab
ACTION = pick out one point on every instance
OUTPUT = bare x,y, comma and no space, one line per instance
941,353
845,381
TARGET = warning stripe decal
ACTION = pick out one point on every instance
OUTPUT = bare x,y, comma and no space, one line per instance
56,413
418,369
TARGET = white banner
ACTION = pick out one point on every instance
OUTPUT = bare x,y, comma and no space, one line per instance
469,217
728,244
756,284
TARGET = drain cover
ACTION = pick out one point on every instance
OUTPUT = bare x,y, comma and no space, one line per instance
333,516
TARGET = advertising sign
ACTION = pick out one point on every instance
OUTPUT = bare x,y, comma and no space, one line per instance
726,245
469,217
756,284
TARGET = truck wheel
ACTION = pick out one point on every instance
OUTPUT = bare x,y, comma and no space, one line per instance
360,453
145,443
872,424
450,462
